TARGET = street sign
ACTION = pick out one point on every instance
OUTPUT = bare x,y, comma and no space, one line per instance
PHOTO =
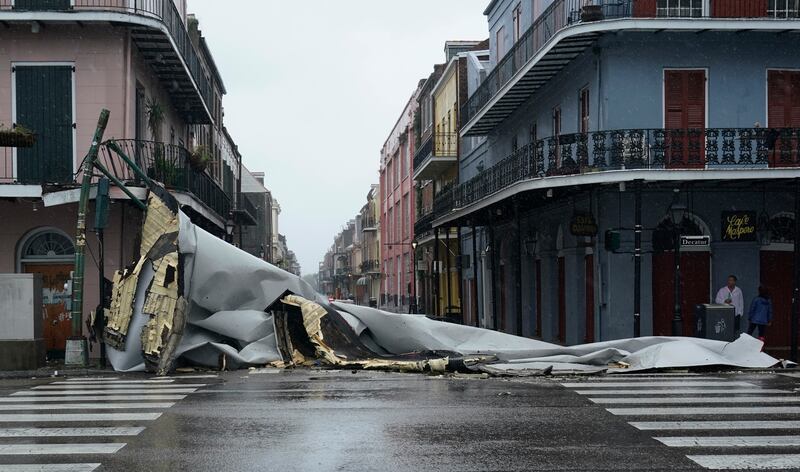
695,241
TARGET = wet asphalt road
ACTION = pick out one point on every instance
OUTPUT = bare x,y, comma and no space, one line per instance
316,420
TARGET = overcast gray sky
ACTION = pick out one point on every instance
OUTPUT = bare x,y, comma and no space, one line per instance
314,88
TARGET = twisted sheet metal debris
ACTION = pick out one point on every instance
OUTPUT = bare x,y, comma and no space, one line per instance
191,298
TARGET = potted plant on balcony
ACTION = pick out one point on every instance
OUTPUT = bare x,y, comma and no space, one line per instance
19,137
200,158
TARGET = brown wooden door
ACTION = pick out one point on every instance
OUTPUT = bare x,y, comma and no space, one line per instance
695,287
685,118
776,274
562,300
739,8
57,319
589,264
783,111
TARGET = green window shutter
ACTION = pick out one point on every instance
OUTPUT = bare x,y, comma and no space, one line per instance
44,106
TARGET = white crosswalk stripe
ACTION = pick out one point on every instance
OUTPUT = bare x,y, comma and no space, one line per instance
712,411
730,441
76,417
83,385
714,425
51,449
114,382
50,467
86,397
666,383
693,400
68,432
707,404
131,391
681,391
748,461
83,406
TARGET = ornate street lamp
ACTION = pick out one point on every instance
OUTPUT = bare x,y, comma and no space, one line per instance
677,212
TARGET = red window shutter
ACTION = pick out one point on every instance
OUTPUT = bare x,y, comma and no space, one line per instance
776,98
794,101
739,8
644,8
673,99
696,99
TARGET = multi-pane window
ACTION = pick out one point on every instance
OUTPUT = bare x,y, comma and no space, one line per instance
783,8
681,8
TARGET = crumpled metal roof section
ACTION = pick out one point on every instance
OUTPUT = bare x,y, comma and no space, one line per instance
191,298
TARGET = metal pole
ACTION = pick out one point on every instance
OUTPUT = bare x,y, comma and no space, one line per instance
449,273
475,305
80,236
637,261
100,322
493,268
460,272
796,271
677,320
518,267
436,272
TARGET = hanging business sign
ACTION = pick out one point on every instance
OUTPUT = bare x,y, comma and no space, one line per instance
583,224
695,241
739,226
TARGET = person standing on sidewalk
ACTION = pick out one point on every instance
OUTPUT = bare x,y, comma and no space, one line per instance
732,295
760,315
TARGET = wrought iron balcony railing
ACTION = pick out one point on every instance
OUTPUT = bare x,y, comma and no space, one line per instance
343,271
423,223
172,166
370,267
369,224
246,206
164,11
425,150
650,149
446,145
564,13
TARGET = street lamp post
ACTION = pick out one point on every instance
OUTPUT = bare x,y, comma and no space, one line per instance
412,308
677,212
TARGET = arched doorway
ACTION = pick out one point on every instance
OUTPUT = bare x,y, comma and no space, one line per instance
776,270
51,253
695,276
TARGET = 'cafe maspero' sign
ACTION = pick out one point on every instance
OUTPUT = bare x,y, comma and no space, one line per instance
583,224
738,226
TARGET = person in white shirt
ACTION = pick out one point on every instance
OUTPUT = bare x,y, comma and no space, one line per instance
732,295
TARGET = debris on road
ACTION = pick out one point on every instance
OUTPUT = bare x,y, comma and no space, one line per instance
193,299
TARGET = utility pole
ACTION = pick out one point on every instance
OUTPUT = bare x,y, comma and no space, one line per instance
76,352
637,261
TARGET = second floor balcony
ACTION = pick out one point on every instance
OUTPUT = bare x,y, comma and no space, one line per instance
371,266
174,167
568,28
603,157
158,29
437,154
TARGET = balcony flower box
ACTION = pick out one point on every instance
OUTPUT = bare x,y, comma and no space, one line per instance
18,137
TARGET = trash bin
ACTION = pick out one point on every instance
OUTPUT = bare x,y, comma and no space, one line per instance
715,322
373,302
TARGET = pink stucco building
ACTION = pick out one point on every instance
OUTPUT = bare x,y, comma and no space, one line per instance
397,212
61,62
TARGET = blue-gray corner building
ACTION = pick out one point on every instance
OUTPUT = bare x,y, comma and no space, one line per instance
610,148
